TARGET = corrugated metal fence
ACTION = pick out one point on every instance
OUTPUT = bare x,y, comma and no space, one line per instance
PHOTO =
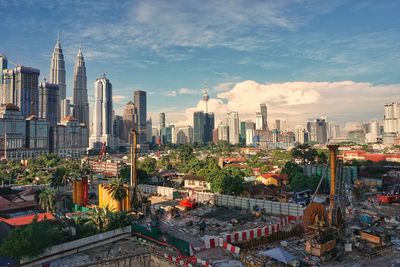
270,207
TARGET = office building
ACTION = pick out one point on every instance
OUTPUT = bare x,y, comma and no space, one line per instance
130,120
70,138
264,113
80,95
12,132
37,136
198,127
102,114
161,121
356,136
118,127
65,108
278,125
49,103
57,69
184,135
140,101
3,66
233,124
166,135
312,130
21,89
321,129
209,121
149,127
223,132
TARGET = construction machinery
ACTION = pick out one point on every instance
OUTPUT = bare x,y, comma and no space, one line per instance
392,195
325,227
373,238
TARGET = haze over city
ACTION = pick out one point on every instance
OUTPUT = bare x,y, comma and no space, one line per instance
304,59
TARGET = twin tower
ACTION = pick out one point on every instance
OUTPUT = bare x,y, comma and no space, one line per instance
80,97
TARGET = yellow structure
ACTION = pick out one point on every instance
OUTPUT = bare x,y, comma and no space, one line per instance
272,179
107,201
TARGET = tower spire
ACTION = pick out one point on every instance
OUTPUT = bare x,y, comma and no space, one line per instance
206,97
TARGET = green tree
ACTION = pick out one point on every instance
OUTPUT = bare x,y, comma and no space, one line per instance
185,153
118,191
47,198
292,169
31,240
149,165
305,153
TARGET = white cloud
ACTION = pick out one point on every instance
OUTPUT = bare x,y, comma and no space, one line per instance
118,98
342,101
187,91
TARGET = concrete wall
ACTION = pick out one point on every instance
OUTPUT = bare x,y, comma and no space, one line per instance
146,260
76,246
270,207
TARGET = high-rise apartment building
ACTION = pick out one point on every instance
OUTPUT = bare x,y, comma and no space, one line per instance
391,123
103,113
264,113
12,132
301,134
259,121
140,101
21,89
233,124
80,95
223,132
49,103
71,138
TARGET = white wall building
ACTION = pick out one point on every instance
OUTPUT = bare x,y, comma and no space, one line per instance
233,124
249,137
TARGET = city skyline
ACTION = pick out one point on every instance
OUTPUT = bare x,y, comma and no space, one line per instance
320,68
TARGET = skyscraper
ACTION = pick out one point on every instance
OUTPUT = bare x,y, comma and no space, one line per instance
208,126
259,121
103,113
233,124
130,120
223,132
21,89
161,123
321,131
149,127
57,69
3,66
198,127
141,105
80,96
264,113
49,102
278,125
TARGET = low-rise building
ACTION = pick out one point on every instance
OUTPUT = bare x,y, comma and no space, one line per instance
196,182
273,179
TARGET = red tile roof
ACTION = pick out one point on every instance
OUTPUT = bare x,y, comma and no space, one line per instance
24,220
274,175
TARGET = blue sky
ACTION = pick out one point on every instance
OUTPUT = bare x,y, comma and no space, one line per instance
171,49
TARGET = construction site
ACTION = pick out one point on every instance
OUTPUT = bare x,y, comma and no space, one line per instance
188,228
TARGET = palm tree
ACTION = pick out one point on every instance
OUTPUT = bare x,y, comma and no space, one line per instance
47,198
118,191
99,217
